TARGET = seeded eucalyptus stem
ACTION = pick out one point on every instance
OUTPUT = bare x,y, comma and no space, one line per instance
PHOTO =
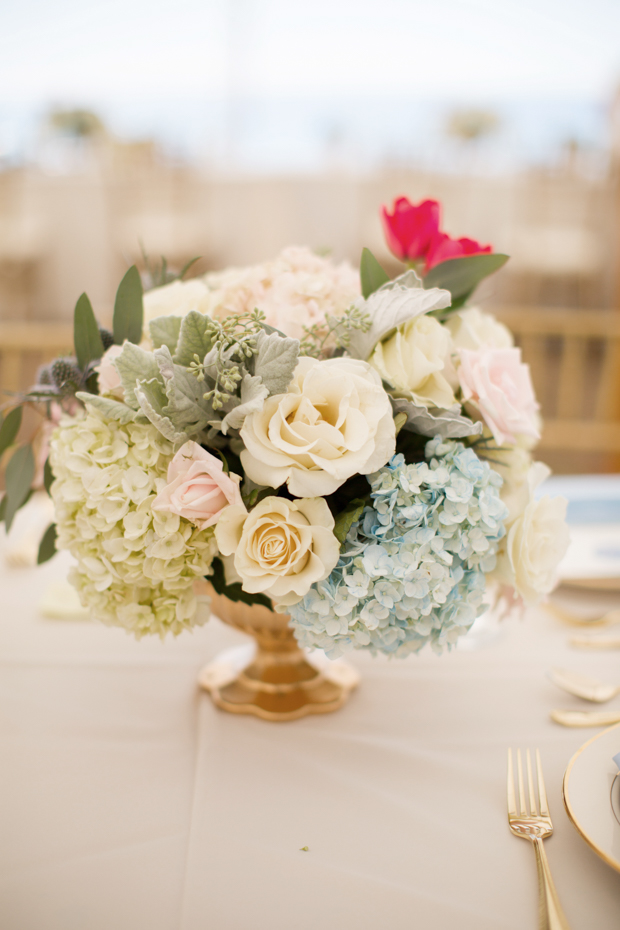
235,336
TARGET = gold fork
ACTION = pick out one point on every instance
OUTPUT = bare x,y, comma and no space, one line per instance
535,827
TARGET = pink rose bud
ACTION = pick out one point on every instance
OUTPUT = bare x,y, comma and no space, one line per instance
198,488
499,383
109,378
410,228
442,247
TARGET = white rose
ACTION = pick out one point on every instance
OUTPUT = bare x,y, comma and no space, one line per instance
473,329
281,548
536,543
414,360
335,421
513,463
175,299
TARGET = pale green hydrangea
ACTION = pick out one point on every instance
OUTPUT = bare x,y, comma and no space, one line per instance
136,567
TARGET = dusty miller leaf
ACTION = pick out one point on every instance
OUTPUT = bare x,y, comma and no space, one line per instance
164,331
448,423
152,398
253,395
114,409
192,338
276,361
135,364
186,407
393,304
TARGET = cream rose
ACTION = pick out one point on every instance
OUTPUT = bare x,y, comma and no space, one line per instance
473,329
198,489
413,361
335,421
537,541
281,548
500,386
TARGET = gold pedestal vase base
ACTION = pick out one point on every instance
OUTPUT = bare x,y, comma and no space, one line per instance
272,679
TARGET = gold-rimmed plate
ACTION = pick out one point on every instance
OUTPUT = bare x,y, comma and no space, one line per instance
591,791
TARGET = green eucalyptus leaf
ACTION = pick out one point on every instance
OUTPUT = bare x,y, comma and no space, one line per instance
48,476
128,309
86,335
3,508
461,275
234,592
347,517
10,428
371,273
47,546
19,477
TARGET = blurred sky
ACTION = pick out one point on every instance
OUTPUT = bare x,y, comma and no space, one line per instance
156,67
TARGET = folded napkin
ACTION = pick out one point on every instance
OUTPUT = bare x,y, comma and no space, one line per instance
21,546
61,602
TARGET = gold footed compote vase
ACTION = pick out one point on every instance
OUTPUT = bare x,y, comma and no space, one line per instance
273,679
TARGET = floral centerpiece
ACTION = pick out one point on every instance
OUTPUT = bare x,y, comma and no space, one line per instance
348,450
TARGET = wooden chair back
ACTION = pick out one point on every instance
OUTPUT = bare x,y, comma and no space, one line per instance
26,346
574,356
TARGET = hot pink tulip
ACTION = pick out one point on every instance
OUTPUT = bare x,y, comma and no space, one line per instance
442,247
410,228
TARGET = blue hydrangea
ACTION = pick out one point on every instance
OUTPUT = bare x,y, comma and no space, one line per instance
412,569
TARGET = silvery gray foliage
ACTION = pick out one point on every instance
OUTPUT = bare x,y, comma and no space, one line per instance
275,361
135,364
448,423
186,407
149,396
193,338
391,305
253,395
159,387
114,409
164,331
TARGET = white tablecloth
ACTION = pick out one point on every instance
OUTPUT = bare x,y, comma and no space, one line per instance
129,802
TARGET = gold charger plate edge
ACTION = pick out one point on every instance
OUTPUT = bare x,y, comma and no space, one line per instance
571,814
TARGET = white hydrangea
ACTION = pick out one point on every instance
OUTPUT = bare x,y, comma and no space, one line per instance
136,567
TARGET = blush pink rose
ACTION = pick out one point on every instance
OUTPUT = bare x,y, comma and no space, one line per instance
499,383
198,488
109,378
